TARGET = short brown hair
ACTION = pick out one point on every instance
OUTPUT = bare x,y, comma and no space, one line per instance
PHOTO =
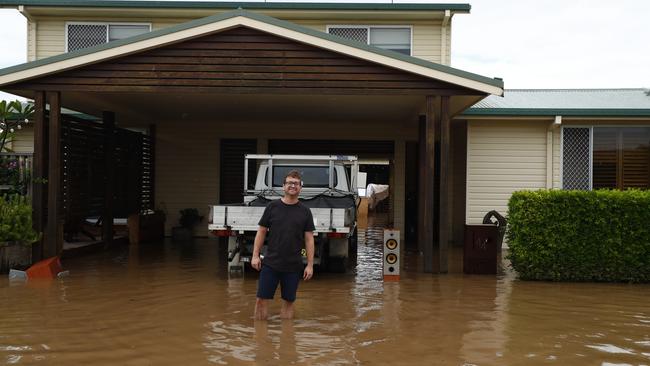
293,174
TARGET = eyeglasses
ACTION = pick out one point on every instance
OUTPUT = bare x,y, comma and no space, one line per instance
292,184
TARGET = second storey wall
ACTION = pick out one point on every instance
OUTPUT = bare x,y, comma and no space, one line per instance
427,38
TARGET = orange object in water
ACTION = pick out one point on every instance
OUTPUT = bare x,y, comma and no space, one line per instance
47,268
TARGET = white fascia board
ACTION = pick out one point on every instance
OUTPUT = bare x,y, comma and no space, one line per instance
198,31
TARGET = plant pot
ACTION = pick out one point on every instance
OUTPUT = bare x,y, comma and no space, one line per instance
181,234
14,256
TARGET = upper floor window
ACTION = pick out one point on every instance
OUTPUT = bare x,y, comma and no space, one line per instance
394,38
606,157
82,35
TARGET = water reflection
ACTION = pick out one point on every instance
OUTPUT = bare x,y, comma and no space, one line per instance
170,304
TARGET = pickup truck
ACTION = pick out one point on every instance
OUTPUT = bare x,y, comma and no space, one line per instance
329,190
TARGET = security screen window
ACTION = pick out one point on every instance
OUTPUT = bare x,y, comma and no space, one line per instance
396,39
83,35
620,157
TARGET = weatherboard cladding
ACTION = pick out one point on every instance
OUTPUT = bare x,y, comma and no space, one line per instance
243,60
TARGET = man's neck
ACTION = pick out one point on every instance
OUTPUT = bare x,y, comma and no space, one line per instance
290,200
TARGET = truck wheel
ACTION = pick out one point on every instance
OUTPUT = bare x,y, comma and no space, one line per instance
353,249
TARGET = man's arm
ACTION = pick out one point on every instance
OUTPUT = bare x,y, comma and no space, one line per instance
309,246
257,246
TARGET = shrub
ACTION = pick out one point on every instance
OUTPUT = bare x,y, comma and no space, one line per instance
16,220
12,176
580,235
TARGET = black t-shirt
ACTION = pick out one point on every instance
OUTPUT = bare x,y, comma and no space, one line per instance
287,225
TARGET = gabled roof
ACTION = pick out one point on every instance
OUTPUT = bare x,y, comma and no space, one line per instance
565,102
264,23
464,8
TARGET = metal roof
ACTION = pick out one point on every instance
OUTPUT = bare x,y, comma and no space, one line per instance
465,8
498,83
567,102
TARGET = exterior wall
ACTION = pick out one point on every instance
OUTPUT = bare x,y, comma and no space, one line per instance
23,141
49,39
557,135
503,157
187,161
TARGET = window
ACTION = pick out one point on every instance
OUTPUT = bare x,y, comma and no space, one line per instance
396,39
606,157
82,35
312,176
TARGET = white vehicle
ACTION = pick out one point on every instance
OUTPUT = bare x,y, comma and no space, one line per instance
329,190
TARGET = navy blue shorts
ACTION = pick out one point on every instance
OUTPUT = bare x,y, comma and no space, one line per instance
268,283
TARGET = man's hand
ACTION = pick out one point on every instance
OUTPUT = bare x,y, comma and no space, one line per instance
309,272
256,262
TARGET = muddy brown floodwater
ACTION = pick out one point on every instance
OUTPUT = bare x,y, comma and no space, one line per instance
170,304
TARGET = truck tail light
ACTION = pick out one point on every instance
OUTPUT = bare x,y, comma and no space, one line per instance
222,232
336,235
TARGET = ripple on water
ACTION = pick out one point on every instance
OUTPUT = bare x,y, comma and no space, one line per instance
610,348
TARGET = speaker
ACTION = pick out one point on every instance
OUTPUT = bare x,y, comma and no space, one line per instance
391,255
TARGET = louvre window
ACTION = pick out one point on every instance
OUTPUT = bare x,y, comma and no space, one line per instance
82,35
620,157
396,39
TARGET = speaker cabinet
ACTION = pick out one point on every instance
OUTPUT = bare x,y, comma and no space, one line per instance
391,253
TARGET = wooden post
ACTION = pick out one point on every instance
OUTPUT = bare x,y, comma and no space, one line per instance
39,171
427,168
422,123
52,246
108,119
152,135
445,209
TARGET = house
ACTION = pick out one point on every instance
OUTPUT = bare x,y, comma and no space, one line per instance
210,81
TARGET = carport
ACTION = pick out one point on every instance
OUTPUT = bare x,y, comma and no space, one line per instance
240,81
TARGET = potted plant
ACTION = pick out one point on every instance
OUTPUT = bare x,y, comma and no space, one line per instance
16,233
189,217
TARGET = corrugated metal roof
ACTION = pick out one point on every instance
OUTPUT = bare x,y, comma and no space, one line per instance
588,102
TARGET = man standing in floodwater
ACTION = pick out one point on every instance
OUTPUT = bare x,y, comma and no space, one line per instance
290,226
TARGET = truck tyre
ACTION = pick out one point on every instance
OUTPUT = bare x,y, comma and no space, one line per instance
353,249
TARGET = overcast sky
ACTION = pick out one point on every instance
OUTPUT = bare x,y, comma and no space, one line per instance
528,43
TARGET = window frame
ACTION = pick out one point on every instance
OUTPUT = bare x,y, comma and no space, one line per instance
107,24
591,146
370,26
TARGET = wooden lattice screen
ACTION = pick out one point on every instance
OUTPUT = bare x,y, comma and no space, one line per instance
84,171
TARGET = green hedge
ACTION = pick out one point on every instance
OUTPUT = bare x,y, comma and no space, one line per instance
16,220
580,235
